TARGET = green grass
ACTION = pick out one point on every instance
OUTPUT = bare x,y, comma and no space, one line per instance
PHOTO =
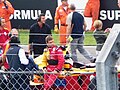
56,38
24,38
89,39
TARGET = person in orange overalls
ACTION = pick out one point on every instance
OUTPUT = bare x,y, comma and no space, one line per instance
6,10
92,10
55,62
61,14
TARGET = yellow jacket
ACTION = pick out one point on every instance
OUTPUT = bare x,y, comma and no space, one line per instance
41,60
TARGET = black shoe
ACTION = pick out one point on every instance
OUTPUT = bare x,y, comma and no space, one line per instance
93,61
78,65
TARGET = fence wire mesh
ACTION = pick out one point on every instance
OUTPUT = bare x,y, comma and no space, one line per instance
34,80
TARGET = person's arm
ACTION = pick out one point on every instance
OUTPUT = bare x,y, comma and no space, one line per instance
61,60
4,54
23,57
45,58
30,46
57,17
85,26
49,30
9,7
30,49
56,21
69,24
103,36
6,47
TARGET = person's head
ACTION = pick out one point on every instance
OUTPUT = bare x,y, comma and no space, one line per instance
41,18
49,41
98,24
2,22
13,32
14,40
64,2
72,7
119,3
1,1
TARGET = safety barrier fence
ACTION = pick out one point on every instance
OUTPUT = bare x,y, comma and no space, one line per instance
34,80
89,38
24,37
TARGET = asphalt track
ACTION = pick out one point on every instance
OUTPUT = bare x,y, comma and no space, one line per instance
90,49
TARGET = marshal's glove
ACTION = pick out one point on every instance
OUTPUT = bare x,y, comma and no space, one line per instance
69,39
56,30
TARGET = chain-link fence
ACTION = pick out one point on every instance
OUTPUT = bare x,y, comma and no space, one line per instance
83,79
34,80
77,79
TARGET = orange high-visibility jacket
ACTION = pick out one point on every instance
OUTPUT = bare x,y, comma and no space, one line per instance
5,13
92,10
61,14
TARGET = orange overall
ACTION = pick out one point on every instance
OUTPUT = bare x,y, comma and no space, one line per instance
6,12
92,10
61,14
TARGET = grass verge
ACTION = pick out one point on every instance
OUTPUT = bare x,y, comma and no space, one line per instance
24,37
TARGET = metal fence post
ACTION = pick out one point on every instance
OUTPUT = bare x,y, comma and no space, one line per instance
106,72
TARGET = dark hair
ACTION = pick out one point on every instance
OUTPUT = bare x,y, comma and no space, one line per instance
48,38
72,7
39,17
14,40
64,0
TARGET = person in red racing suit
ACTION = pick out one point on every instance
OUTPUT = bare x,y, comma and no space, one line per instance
6,45
3,39
55,62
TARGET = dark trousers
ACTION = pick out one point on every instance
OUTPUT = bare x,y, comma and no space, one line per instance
38,50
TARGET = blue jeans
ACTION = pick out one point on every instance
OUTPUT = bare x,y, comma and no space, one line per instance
77,43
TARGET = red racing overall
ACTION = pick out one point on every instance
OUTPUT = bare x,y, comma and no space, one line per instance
4,38
55,62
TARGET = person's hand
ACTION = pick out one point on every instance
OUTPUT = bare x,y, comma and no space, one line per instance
3,68
44,69
56,30
1,1
0,59
55,72
6,6
107,30
69,39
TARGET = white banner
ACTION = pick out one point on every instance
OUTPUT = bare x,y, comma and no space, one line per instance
80,6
